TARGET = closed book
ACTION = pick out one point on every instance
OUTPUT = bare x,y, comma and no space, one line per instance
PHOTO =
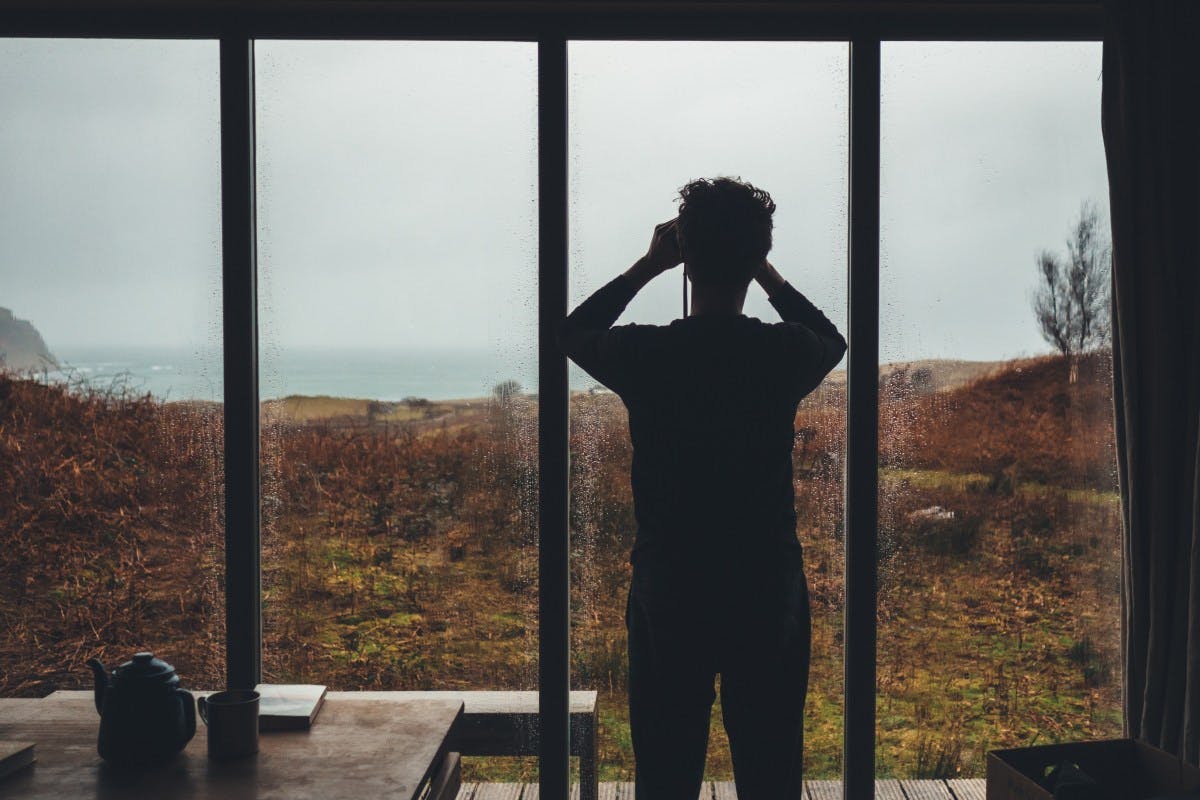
288,706
15,756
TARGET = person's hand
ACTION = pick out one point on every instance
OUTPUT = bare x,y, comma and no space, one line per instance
663,254
664,251
769,278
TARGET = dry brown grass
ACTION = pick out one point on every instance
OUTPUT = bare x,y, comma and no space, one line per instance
400,552
1029,420
97,558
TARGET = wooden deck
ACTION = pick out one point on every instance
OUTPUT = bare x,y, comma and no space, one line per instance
814,790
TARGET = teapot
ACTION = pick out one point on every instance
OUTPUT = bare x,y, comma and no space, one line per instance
145,718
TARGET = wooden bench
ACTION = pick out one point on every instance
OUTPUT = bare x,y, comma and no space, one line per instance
497,723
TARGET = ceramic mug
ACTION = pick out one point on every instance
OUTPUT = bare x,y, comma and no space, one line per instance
232,720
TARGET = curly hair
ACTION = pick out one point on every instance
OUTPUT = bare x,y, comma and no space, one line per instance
725,229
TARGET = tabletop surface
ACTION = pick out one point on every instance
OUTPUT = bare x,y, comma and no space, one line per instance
357,747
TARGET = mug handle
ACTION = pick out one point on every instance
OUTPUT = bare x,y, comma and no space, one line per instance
202,704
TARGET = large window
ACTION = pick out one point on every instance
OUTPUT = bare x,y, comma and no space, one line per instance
397,252
999,518
110,345
404,293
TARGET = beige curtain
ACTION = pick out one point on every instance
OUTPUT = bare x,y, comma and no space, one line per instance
1151,122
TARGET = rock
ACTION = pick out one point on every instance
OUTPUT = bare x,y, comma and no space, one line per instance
21,346
931,514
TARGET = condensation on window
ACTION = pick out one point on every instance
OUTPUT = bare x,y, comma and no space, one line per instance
110,360
999,518
397,213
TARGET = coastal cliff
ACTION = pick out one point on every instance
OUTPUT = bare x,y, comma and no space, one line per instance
21,346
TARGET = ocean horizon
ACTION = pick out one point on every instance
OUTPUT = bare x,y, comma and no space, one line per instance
377,374
180,374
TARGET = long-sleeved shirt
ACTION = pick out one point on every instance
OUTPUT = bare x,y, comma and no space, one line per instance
712,402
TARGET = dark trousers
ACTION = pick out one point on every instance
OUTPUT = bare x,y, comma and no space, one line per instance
686,626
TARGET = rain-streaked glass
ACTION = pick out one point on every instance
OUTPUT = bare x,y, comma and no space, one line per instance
999,517
397,214
645,118
110,347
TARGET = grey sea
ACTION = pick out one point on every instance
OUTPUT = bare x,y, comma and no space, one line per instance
392,375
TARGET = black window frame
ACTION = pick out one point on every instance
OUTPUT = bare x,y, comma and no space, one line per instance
863,24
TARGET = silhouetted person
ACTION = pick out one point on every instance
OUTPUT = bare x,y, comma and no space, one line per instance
718,577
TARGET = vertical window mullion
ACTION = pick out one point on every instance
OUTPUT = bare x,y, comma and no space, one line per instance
553,456
243,599
862,428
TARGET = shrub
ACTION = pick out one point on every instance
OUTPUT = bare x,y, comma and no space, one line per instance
515,576
1002,482
1094,666
938,756
604,662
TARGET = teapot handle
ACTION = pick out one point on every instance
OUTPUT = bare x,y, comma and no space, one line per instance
189,712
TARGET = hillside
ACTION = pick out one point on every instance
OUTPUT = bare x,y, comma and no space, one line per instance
926,376
95,557
1027,418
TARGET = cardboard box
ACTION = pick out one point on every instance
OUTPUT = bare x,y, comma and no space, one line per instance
1126,769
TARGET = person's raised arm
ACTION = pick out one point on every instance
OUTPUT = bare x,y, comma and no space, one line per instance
586,335
813,340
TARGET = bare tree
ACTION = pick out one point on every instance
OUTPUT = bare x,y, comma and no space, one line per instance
506,391
1072,298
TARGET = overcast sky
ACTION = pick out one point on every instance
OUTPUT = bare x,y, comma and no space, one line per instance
397,184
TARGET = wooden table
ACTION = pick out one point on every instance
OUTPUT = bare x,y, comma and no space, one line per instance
358,747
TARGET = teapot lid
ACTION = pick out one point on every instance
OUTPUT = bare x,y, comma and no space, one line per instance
144,666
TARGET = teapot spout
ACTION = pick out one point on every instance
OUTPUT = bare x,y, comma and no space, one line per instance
101,681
